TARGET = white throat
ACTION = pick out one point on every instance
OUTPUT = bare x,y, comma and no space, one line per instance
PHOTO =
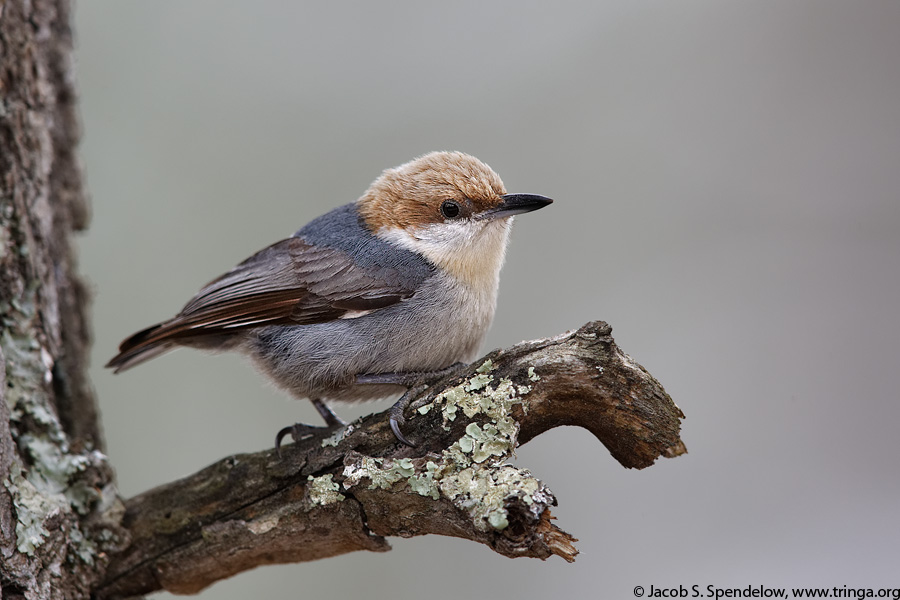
471,251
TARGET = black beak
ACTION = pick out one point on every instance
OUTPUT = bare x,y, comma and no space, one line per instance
516,204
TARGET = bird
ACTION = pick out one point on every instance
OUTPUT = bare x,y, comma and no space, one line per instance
366,301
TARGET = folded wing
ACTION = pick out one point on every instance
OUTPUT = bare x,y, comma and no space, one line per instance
290,282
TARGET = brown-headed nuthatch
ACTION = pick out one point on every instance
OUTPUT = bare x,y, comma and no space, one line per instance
367,300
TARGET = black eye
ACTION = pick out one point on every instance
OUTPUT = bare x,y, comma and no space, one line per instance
450,209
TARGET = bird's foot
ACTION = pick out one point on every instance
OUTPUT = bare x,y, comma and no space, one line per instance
299,431
415,383
396,412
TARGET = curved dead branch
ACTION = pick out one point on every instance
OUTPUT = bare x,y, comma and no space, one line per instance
348,491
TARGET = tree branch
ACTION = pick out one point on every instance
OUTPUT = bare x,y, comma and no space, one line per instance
347,491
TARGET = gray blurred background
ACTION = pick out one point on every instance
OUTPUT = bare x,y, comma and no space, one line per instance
727,185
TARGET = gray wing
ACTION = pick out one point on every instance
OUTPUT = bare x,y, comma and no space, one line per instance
293,282
290,282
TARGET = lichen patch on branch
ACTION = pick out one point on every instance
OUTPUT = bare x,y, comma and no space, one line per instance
323,490
473,472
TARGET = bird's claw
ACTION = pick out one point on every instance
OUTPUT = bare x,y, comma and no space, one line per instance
396,413
416,383
395,427
297,431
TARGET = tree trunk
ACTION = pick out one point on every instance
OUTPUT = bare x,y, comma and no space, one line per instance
57,500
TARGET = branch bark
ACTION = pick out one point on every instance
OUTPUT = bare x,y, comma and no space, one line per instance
347,491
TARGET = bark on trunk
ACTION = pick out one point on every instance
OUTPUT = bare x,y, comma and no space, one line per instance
57,502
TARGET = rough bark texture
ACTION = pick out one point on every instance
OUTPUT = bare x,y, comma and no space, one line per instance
347,491
56,501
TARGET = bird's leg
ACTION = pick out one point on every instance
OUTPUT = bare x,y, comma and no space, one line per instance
298,431
332,421
410,378
415,383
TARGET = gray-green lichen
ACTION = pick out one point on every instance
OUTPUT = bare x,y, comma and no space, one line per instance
28,364
335,438
472,473
323,490
85,549
52,487
381,473
486,493
49,489
32,508
53,471
486,367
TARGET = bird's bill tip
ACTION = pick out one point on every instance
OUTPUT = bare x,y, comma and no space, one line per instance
516,204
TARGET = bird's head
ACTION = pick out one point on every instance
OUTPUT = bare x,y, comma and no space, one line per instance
449,207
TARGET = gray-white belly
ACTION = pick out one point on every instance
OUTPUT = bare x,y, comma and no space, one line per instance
443,323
